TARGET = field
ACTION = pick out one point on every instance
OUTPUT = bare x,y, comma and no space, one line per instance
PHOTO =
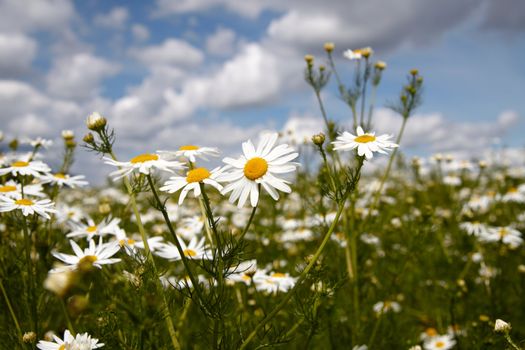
286,246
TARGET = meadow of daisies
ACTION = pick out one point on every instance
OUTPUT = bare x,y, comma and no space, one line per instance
284,245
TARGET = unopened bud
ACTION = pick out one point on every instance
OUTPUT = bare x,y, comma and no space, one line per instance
501,326
309,59
318,139
68,134
414,72
70,143
29,337
366,52
329,47
380,65
322,68
96,122
482,164
13,144
104,208
89,138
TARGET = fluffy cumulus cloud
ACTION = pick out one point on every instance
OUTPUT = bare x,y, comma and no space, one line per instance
17,52
222,42
79,76
32,15
140,32
116,18
172,52
435,133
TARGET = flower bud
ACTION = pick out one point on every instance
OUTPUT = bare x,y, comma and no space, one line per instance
309,59
1,135
96,122
68,134
501,326
329,47
318,139
366,52
71,143
322,68
104,208
380,65
88,138
29,337
414,72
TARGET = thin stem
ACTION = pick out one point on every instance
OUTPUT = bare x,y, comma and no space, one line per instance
149,256
374,331
371,108
301,278
245,230
366,73
511,343
66,315
11,311
389,166
194,282
323,111
31,276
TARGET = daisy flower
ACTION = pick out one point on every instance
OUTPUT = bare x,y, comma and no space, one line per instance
506,235
192,152
143,164
81,341
13,190
61,179
194,250
274,282
130,245
386,306
258,166
192,181
189,227
34,168
39,142
28,206
440,342
93,255
366,143
352,55
91,229
474,228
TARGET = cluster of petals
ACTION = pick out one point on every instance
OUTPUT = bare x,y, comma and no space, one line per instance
365,143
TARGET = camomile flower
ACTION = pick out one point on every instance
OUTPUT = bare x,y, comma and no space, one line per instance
82,341
28,206
13,190
143,163
130,244
474,228
191,152
33,168
366,143
244,272
258,167
352,55
61,179
91,229
386,306
194,250
189,227
39,142
440,342
506,235
192,181
274,282
93,255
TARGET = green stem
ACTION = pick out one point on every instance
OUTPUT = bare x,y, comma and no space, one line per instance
323,112
66,315
301,278
185,262
31,276
12,312
149,256
366,73
511,343
374,331
245,230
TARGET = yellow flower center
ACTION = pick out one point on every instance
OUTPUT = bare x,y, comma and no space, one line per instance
246,277
91,229
188,148
512,190
503,232
20,164
60,176
440,344
365,138
431,332
62,347
278,275
146,157
197,175
8,188
24,201
129,241
255,168
88,260
189,252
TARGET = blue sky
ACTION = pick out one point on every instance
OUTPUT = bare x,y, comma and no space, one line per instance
216,72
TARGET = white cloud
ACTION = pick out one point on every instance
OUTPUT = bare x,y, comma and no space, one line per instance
222,42
17,52
29,15
251,8
24,106
172,52
79,76
300,128
115,19
433,132
140,32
